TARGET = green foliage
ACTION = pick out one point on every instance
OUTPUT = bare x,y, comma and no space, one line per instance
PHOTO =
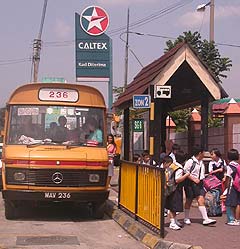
206,50
214,122
181,118
117,91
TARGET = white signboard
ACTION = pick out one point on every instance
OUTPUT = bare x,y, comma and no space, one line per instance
58,94
162,92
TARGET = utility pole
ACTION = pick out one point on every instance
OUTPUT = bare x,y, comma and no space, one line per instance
211,21
37,45
126,54
202,7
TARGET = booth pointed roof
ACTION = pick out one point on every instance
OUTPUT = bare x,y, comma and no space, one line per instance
169,69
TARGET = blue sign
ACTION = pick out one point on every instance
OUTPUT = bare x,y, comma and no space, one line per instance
141,101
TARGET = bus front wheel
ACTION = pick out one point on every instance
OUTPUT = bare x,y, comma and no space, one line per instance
98,210
10,210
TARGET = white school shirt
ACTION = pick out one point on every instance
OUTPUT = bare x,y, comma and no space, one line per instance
218,164
229,173
179,172
199,165
173,157
229,169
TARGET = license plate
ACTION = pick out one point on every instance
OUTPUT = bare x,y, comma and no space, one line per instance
57,195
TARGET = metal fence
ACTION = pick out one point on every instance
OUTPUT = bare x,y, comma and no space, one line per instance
141,194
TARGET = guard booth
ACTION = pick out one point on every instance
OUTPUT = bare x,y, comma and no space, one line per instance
177,80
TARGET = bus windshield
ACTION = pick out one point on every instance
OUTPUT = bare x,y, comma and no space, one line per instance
59,125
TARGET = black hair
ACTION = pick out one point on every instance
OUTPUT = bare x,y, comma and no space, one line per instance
180,156
145,153
175,147
136,157
113,141
233,155
216,152
167,159
197,150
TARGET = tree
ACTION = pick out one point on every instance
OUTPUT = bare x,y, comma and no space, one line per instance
206,50
181,118
209,54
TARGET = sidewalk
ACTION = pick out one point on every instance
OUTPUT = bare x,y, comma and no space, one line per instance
218,236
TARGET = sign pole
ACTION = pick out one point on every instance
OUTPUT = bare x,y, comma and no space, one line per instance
110,83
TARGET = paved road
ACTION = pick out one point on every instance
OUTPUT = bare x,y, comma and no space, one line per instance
219,236
57,225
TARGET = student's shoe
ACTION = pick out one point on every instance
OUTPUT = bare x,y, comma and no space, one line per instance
178,223
187,221
233,223
209,222
174,226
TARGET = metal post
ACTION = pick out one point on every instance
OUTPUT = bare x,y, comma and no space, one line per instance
126,134
211,30
110,83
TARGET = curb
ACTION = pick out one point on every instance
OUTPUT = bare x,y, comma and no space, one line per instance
140,232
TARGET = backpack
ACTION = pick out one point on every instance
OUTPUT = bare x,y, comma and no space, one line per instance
213,203
170,185
211,182
236,179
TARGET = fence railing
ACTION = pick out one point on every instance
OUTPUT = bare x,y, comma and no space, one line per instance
141,193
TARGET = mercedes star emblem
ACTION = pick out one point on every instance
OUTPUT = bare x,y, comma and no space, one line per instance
57,177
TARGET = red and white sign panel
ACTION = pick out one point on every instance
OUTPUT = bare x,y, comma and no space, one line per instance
58,94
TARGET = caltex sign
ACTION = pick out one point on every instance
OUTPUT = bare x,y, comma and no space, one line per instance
93,46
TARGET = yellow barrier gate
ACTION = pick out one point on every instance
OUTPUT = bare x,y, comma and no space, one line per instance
141,193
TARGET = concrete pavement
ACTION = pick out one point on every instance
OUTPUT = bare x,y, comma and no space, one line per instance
219,236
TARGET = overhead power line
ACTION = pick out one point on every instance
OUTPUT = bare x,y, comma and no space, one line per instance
152,17
228,45
13,61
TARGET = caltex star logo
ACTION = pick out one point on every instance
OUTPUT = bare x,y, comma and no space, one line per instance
94,20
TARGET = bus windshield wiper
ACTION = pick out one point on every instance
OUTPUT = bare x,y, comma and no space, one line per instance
41,142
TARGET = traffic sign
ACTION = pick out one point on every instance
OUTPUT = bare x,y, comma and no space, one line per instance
162,92
138,125
141,101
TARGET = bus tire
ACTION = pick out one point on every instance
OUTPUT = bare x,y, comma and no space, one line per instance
10,210
98,210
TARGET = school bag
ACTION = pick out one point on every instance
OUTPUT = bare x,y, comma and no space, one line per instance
170,185
236,179
211,182
213,203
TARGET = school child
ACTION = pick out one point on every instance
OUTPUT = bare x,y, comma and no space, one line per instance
233,196
217,165
194,186
174,202
147,159
137,158
175,148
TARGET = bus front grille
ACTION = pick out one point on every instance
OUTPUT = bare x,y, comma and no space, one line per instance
55,177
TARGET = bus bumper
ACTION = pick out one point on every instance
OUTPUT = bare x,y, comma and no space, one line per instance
86,196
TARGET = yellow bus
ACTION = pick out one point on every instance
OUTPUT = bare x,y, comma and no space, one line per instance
54,147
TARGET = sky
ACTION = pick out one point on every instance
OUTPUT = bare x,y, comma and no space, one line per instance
20,23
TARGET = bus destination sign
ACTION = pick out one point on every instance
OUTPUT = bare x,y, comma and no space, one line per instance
58,94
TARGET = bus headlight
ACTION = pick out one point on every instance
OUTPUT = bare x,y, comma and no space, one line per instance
94,178
19,176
